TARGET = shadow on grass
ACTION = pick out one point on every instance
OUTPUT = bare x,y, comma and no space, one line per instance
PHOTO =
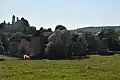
102,53
109,53
73,58
81,57
46,57
13,57
2,59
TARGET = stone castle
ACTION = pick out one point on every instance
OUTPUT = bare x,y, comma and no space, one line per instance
15,26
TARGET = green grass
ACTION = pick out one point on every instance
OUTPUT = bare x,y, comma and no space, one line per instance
8,58
95,68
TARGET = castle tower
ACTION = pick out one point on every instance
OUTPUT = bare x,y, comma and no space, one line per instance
13,19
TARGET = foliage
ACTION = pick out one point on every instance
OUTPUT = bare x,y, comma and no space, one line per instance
61,27
91,40
41,28
4,41
49,30
75,37
27,29
26,25
59,41
25,22
31,30
80,46
95,68
112,36
2,25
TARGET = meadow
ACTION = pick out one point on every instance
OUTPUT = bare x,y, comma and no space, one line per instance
95,67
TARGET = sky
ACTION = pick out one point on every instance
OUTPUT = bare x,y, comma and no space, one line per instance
70,13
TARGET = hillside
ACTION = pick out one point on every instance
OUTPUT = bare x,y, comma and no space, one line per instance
96,29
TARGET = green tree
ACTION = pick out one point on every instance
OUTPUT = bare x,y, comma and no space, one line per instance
61,27
111,35
4,41
41,28
49,30
26,25
2,25
81,45
91,40
31,30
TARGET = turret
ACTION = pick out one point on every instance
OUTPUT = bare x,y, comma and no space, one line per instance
13,19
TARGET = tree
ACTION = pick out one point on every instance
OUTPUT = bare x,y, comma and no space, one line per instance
2,25
27,28
25,22
26,25
41,28
4,41
49,30
61,27
91,40
80,45
31,30
74,37
111,35
59,44
102,35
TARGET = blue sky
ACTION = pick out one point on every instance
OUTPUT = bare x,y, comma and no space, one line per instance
71,13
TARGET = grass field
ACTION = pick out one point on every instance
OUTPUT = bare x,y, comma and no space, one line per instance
95,68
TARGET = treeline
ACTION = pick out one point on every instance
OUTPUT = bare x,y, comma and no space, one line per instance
86,42
63,42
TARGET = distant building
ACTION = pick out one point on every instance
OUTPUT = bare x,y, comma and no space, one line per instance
15,26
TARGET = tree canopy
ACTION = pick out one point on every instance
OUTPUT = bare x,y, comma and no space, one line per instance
27,29
61,27
2,25
111,35
49,30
